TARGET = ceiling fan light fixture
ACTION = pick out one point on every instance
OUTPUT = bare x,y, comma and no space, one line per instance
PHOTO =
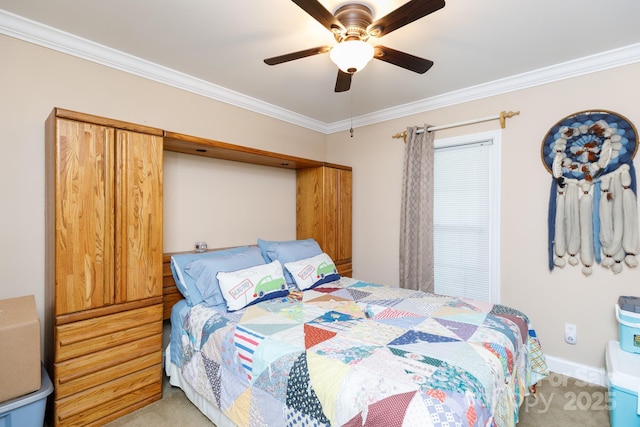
351,56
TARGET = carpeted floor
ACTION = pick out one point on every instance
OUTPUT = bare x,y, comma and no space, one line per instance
559,402
562,401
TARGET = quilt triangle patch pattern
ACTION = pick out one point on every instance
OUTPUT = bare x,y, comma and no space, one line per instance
462,330
267,329
325,290
212,369
358,294
462,316
388,412
401,322
333,316
459,303
253,312
504,355
458,381
386,302
361,284
271,383
328,297
410,355
390,313
518,322
432,326
441,415
498,324
300,394
313,336
413,337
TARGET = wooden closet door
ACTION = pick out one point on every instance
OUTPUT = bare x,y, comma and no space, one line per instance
139,216
323,210
331,213
83,216
345,193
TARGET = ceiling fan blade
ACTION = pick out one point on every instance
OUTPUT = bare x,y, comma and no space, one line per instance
297,55
320,14
402,59
343,81
405,14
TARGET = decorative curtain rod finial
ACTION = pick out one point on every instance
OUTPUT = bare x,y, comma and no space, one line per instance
503,116
402,135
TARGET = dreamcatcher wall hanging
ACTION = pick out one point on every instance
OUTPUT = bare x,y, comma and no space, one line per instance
593,213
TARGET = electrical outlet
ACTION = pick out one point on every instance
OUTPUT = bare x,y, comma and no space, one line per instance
570,334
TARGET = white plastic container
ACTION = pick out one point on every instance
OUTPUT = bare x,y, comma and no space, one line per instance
623,377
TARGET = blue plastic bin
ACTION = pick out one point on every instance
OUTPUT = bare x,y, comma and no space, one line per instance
27,410
628,318
623,377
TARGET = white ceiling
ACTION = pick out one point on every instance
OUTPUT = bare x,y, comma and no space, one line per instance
217,48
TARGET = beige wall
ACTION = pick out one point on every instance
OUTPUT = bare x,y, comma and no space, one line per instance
198,191
33,80
550,299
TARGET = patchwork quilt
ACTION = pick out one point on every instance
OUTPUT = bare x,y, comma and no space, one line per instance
351,353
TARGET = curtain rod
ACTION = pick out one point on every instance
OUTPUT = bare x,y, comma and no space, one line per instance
502,117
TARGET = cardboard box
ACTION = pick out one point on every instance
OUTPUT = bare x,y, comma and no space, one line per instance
19,347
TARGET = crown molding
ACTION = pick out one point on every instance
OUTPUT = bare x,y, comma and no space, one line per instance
34,32
599,62
52,38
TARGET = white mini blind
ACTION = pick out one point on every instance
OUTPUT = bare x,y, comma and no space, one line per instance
464,239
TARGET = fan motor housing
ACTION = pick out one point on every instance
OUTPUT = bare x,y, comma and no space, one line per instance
355,18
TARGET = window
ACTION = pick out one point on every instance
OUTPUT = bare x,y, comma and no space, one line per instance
467,216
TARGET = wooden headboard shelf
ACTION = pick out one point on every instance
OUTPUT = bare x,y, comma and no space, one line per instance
192,145
222,150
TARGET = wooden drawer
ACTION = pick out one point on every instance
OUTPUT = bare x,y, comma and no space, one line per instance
345,268
171,296
82,373
105,332
98,405
166,266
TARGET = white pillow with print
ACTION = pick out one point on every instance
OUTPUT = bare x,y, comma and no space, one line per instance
311,272
248,286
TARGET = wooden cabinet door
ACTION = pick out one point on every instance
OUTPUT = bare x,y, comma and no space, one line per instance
331,214
138,237
310,205
323,209
83,175
344,240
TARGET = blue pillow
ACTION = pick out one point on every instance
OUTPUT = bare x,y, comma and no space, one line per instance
185,283
289,251
204,271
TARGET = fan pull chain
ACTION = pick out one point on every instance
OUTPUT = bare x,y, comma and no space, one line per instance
351,113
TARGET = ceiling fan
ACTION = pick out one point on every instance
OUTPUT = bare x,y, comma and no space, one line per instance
352,25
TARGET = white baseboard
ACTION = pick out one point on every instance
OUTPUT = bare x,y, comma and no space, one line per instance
578,371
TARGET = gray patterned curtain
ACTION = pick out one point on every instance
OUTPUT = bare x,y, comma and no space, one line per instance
416,220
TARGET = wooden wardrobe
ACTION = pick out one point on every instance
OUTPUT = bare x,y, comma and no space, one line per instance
104,293
323,211
103,298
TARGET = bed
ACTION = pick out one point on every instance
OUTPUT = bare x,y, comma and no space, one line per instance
337,351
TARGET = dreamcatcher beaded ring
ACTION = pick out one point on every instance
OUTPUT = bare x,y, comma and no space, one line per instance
593,210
